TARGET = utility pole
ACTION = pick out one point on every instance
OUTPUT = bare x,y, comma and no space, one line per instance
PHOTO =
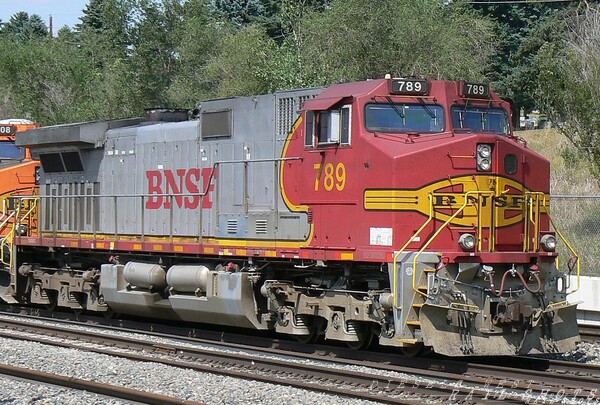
50,27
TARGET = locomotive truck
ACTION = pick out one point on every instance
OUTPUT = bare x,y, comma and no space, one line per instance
400,211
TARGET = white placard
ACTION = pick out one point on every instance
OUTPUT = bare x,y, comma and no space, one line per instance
381,236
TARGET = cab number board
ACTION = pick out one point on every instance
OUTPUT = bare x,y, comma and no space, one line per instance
7,129
409,86
476,90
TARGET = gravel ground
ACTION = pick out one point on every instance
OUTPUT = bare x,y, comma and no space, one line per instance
158,378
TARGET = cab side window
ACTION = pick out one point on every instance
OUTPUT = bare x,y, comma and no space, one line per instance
328,127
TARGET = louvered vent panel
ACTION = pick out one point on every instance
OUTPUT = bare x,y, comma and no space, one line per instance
302,100
285,115
261,226
232,226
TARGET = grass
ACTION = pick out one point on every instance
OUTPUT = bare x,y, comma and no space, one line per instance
578,218
572,176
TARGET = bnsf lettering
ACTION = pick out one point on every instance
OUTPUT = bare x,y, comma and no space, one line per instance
448,200
503,201
180,181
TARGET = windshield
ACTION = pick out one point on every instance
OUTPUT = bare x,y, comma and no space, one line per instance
403,118
8,150
480,119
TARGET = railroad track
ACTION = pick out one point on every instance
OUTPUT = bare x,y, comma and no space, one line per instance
106,390
589,333
403,380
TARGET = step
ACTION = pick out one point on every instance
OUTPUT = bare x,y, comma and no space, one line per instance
409,341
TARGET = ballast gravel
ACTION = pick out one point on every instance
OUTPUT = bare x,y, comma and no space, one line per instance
158,378
152,377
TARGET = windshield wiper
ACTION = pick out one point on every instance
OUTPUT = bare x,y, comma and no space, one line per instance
395,107
427,109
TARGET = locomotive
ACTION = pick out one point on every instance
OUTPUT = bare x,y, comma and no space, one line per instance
18,172
397,211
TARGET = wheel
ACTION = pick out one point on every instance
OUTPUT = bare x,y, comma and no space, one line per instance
53,298
365,334
314,324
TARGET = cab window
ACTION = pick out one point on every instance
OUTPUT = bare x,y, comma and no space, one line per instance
404,117
328,127
480,119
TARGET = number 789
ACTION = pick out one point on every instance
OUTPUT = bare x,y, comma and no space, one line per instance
330,177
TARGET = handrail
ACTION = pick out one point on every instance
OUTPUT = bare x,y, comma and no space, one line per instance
573,252
406,245
18,221
443,226
532,205
534,217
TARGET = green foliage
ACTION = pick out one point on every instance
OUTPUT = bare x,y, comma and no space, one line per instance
197,40
23,27
568,83
243,65
355,40
47,80
126,55
521,30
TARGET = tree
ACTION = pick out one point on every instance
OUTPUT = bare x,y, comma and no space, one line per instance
239,12
23,27
568,83
49,81
356,40
521,29
197,41
152,52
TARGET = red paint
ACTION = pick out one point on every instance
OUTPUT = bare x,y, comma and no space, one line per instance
179,182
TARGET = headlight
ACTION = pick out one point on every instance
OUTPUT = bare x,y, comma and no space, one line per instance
466,241
484,150
484,157
484,165
548,243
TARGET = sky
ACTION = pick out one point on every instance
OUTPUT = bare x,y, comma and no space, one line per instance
64,12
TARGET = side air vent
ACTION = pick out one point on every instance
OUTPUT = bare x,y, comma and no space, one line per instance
232,226
261,226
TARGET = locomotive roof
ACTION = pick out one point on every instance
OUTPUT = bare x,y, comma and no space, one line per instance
81,134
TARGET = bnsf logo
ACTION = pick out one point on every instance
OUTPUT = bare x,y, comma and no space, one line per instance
177,182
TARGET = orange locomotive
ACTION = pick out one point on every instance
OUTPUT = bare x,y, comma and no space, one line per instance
398,211
18,170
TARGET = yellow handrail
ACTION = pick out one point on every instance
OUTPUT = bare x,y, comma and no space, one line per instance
412,238
444,225
18,221
573,252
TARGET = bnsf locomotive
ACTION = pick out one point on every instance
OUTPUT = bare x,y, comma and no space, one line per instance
401,211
